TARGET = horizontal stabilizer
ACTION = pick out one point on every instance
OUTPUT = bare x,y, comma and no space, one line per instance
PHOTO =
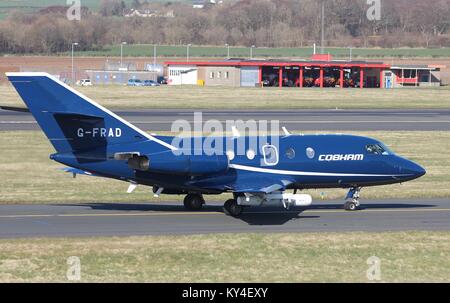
76,171
15,109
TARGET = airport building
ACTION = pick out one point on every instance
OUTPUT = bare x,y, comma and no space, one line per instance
119,77
416,75
120,72
320,71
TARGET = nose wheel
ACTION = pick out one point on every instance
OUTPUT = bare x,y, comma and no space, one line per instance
352,200
350,206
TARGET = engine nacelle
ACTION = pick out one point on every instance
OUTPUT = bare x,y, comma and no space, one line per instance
139,162
276,199
167,162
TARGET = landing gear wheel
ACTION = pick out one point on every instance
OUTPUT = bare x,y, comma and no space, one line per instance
231,208
350,206
193,202
352,199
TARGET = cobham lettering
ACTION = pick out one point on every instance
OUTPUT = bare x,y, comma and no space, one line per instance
341,157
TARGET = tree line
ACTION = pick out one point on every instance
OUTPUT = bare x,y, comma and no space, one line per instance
264,23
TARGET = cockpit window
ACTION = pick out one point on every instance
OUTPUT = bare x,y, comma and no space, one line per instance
377,149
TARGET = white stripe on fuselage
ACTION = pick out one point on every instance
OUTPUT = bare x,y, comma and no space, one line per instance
303,173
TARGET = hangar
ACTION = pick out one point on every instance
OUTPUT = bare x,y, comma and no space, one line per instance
320,71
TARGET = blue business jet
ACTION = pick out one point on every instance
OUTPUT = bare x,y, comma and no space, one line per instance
92,140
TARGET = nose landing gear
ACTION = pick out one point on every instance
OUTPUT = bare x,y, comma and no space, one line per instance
352,200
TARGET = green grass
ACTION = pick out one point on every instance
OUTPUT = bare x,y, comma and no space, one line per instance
30,177
194,97
304,52
7,6
29,6
300,257
34,4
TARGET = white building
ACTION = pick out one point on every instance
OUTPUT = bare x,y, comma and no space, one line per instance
148,13
182,74
202,3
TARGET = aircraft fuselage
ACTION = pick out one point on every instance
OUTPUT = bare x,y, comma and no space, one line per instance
306,161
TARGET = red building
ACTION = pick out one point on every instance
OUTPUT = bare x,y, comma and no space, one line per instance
319,72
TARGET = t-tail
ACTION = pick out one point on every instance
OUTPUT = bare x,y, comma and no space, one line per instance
71,121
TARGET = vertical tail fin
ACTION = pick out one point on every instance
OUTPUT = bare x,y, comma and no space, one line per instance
72,122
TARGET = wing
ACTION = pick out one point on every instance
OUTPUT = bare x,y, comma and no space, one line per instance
260,185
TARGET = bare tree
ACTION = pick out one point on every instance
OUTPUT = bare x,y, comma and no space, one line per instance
281,23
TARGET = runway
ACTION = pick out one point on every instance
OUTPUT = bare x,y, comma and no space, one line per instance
165,218
354,120
111,219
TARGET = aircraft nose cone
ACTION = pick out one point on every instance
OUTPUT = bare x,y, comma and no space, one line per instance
419,170
414,169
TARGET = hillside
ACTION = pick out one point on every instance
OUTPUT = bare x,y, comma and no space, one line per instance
8,6
285,25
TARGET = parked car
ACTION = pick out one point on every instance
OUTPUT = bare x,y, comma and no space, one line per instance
162,81
84,82
135,82
151,83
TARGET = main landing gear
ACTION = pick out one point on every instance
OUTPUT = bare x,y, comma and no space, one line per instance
232,208
352,200
193,202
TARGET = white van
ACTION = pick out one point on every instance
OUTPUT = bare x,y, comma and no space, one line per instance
84,82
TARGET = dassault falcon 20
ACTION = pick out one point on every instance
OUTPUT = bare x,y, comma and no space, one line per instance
92,140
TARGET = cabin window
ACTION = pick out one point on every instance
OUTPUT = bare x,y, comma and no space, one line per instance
377,149
230,155
290,153
270,154
310,152
251,154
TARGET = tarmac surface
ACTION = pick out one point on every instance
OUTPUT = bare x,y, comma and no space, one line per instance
112,219
354,120
165,218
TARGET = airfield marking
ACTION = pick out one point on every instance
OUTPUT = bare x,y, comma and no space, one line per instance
18,122
316,121
284,121
219,213
111,215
